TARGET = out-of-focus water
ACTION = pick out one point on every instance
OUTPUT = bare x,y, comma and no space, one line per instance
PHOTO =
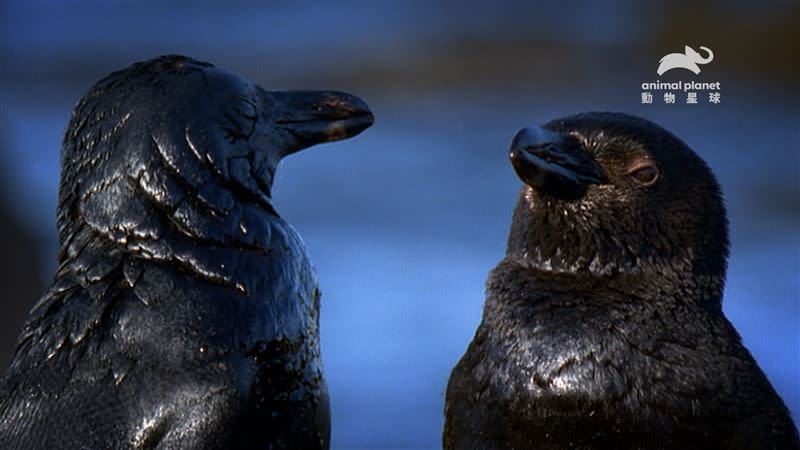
404,222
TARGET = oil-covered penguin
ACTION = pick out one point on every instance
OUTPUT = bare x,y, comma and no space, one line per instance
184,312
603,325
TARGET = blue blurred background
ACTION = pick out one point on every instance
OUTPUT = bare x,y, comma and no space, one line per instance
405,221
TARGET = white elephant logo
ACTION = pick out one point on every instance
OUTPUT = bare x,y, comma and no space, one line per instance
688,60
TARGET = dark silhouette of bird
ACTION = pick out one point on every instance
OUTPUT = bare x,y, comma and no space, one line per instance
184,312
603,325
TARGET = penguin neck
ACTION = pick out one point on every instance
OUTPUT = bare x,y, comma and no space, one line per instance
552,245
664,285
208,230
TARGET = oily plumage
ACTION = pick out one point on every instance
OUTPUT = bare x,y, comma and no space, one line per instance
603,325
184,310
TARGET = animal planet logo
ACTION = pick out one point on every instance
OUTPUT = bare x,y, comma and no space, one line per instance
689,60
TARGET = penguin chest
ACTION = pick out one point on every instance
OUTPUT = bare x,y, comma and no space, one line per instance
287,399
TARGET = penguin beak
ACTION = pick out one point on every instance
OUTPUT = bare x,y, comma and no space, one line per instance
547,162
314,117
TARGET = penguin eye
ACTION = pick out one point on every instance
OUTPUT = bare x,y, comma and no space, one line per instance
645,174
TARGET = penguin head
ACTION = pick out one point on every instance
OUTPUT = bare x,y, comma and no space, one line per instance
179,127
606,193
225,122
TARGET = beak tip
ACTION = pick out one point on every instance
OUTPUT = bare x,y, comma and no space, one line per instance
315,117
520,137
532,136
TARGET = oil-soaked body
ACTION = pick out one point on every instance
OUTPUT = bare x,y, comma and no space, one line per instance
603,325
185,311
560,363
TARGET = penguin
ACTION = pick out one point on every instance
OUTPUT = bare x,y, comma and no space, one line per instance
603,325
184,312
